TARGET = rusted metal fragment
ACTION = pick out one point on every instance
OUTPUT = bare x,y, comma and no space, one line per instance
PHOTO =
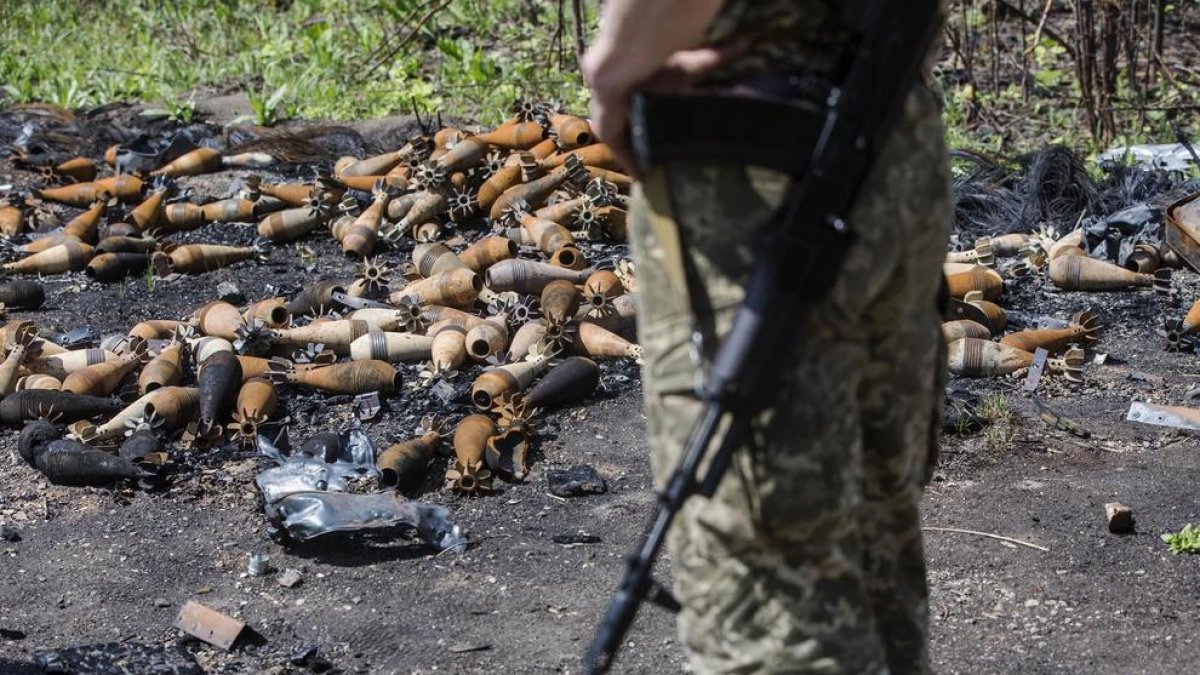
1164,416
1036,369
209,625
1183,230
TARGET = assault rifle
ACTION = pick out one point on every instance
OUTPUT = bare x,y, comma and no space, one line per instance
799,254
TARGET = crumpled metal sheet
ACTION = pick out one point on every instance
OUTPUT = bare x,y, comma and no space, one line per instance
307,515
1165,156
353,458
1113,237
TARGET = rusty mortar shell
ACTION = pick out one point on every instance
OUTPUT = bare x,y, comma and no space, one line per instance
164,370
272,312
507,452
569,257
12,218
594,340
487,338
427,233
535,192
291,224
438,314
986,312
22,406
1008,245
108,267
122,244
571,131
218,319
403,465
527,276
1067,245
547,235
201,258
520,136
562,211
292,194
377,165
1144,259
977,278
529,334
463,155
336,335
975,357
219,379
560,300
202,348
604,283
497,184
256,403
72,256
1083,330
156,329
622,182
355,377
469,475
64,363
181,216
86,226
110,154
68,462
19,347
125,188
599,155
103,378
22,294
49,241
446,137
392,347
614,221
1070,366
10,333
39,381
315,298
963,328
194,163
380,319
253,366
449,348
572,380
499,382
120,230
400,206
1078,273
456,288
435,258
175,406
487,252
233,210
980,255
360,238
426,206
140,446
78,169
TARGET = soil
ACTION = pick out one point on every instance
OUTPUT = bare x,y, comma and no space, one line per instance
102,565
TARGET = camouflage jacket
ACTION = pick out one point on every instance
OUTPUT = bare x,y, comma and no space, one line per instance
783,37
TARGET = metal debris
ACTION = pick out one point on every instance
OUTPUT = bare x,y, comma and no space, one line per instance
209,625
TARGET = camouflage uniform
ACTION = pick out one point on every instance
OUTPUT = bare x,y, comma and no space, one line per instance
808,559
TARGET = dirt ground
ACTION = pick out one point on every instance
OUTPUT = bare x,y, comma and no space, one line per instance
95,565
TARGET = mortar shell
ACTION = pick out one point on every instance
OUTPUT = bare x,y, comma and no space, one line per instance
22,294
525,338
379,319
449,348
218,319
290,224
1052,339
1069,242
427,206
182,216
974,357
1144,259
12,219
1009,245
1078,273
156,329
437,314
571,381
256,399
569,257
86,226
978,278
355,377
316,297
202,348
108,267
560,300
520,136
63,364
599,155
435,258
619,314
377,165
74,464
79,169
623,182
964,328
497,184
571,131
72,256
360,238
194,163
487,339
470,438
272,312
536,192
466,154
253,366
487,252
164,370
456,288
124,188
336,335
507,452
201,258
101,379
403,465
121,244
235,210
49,241
11,365
604,283
39,381
22,406
392,347
563,211
427,233
292,194
400,206
597,341
140,445
526,276
547,235
219,379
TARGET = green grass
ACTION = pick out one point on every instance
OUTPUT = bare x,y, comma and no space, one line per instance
316,59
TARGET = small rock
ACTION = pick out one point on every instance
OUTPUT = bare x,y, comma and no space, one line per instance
161,602
465,647
12,634
445,391
229,292
1120,517
576,481
10,534
575,539
290,577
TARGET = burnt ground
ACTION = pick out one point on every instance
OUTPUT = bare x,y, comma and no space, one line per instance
97,565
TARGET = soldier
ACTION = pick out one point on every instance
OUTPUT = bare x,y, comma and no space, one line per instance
808,559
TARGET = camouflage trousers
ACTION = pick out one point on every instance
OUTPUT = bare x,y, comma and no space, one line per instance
808,559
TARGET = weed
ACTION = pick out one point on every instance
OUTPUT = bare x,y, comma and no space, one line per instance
1001,428
1186,540
150,279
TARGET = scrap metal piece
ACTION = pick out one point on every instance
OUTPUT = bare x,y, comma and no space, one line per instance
209,625
1176,417
1036,370
1183,230
366,406
1057,420
307,515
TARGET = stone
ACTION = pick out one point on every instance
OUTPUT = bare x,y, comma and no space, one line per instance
575,539
290,577
10,534
1120,517
576,481
229,292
